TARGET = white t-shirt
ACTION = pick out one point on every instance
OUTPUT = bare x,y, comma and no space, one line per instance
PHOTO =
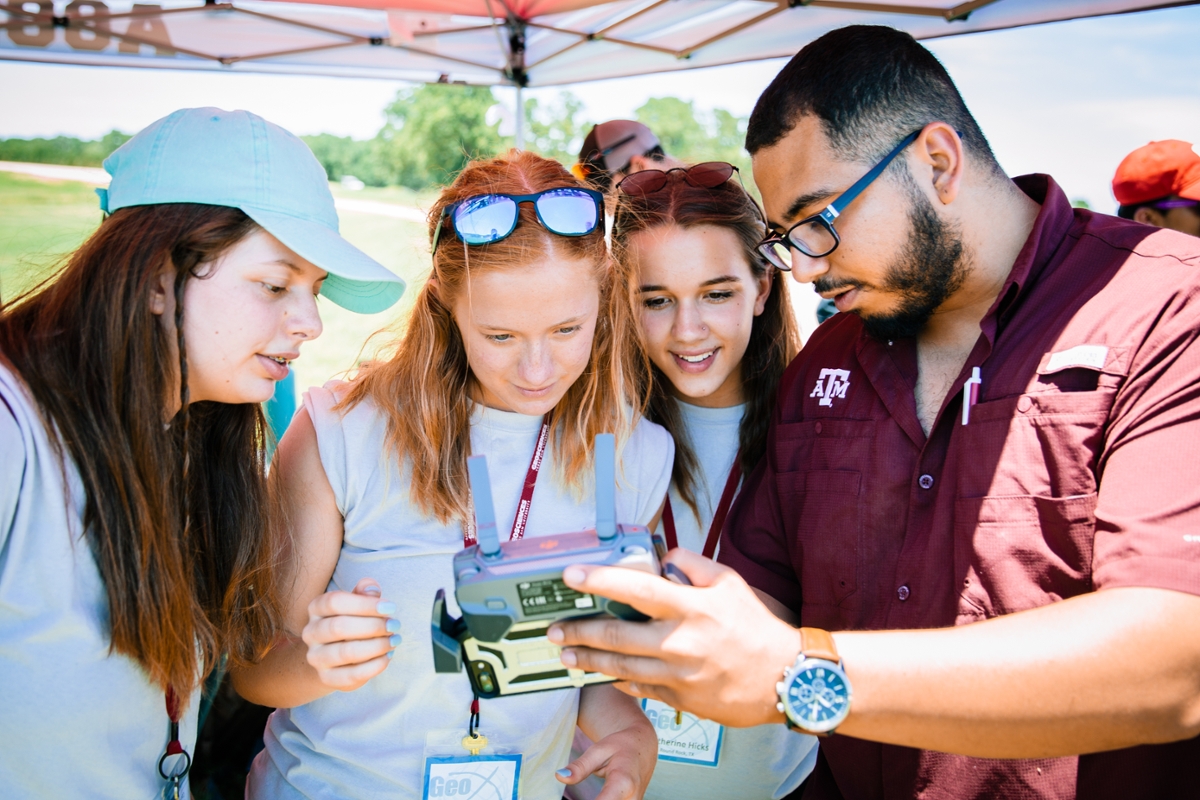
371,742
767,761
75,719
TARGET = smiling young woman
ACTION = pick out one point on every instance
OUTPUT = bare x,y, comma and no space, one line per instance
138,538
717,326
521,346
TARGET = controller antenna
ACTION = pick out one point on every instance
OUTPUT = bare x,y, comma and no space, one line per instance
485,512
606,486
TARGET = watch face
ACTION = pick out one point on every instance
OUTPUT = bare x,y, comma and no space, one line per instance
818,696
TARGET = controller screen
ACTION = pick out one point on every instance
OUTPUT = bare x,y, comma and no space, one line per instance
551,595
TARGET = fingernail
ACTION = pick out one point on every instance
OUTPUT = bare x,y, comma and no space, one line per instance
568,658
372,590
573,576
393,626
555,634
395,640
563,773
387,608
390,653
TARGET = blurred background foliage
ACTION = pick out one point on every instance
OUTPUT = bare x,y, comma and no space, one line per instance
432,130
62,149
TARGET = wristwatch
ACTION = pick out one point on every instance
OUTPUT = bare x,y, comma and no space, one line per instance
814,694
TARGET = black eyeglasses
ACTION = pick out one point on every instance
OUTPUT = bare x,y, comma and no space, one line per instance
487,218
815,236
708,175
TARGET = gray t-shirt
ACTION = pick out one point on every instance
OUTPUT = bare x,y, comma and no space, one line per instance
767,761
371,742
75,719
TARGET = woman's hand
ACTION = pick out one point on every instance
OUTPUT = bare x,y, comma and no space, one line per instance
351,635
624,757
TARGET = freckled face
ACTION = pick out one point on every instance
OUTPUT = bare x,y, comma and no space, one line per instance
528,332
698,299
245,317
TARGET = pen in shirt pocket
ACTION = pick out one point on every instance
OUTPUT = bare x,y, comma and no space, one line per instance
971,394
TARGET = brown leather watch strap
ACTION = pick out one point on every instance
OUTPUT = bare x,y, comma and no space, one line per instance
817,643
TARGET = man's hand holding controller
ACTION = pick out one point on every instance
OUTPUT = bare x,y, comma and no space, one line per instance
712,649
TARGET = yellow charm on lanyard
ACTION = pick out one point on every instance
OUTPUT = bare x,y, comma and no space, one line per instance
474,743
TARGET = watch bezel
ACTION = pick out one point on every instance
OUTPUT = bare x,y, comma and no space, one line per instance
789,675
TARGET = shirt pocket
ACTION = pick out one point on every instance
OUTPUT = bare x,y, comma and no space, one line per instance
820,482
1023,551
1038,444
823,508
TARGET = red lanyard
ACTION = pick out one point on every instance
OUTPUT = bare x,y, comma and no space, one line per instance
718,520
174,747
518,532
522,515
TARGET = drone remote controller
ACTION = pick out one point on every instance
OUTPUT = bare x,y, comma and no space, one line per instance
511,592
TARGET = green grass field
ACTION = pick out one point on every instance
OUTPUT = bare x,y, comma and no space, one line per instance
42,221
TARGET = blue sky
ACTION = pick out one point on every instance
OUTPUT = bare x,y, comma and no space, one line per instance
1070,98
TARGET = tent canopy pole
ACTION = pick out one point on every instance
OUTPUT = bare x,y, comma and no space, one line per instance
520,127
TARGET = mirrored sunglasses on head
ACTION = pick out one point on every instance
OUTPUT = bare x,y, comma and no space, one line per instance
708,175
487,218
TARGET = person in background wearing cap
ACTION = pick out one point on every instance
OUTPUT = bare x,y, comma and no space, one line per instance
616,148
137,542
1159,185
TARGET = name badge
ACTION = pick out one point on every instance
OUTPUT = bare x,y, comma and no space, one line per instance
690,741
472,777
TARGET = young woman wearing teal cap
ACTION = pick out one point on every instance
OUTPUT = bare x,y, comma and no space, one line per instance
521,347
136,544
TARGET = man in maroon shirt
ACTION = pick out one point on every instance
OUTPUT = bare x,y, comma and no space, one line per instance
984,477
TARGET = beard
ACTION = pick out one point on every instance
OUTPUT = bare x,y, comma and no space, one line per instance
931,267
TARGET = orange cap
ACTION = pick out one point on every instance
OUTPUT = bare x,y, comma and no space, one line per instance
1158,170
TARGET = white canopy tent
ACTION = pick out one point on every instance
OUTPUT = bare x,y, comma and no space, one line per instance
492,42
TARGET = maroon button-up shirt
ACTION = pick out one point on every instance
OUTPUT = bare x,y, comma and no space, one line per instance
1077,470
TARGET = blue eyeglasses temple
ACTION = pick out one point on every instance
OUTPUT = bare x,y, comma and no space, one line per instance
834,209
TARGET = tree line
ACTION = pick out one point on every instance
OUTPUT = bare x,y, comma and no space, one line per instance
432,130
62,149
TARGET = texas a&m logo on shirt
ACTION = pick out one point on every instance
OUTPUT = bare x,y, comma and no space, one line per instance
832,383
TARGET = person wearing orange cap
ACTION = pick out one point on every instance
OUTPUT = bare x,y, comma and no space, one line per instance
1159,185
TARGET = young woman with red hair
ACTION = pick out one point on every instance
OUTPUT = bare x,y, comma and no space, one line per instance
522,338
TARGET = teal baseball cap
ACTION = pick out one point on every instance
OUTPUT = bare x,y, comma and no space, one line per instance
238,159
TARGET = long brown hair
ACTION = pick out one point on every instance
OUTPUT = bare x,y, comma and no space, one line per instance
774,337
424,387
177,516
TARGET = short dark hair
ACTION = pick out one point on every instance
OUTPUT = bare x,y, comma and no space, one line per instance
1127,212
870,86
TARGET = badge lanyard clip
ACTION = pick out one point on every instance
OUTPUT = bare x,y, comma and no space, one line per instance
174,747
